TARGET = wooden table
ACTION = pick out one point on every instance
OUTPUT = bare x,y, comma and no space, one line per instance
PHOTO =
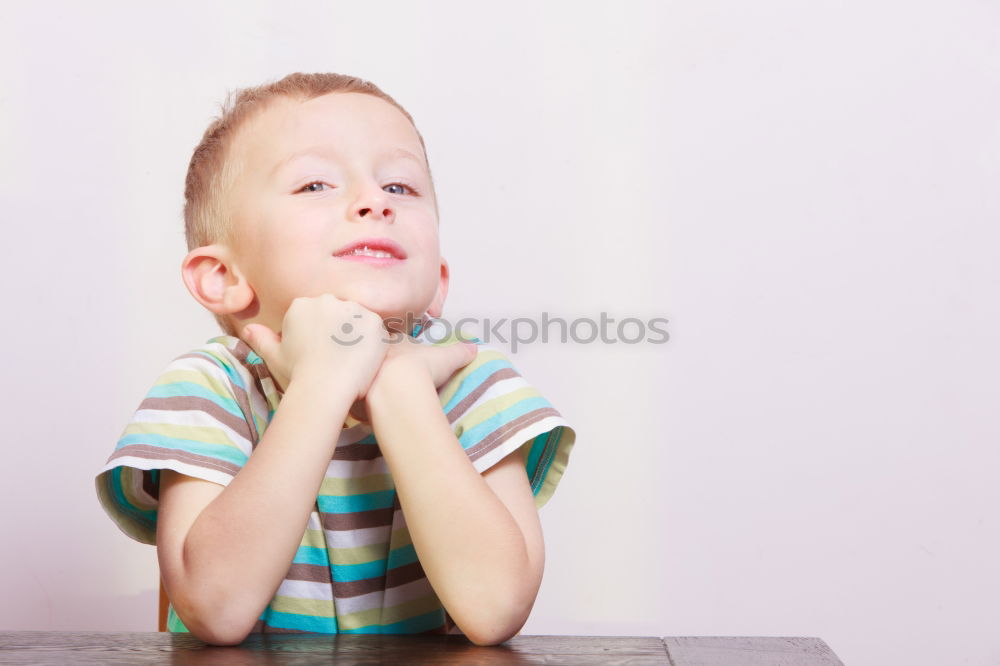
61,647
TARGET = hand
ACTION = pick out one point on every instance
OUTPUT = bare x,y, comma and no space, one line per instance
406,354
326,337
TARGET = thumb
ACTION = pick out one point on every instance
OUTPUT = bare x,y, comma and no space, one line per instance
461,354
262,340
445,360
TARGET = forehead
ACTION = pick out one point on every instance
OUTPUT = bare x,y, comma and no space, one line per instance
344,123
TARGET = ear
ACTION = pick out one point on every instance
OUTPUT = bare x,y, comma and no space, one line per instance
437,305
211,275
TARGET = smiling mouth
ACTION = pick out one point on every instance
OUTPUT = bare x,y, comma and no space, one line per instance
384,249
365,251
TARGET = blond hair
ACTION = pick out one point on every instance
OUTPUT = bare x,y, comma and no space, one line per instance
211,173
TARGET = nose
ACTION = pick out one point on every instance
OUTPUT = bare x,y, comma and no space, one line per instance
372,203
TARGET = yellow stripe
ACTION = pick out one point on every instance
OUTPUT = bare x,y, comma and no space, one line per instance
313,539
557,468
218,385
372,552
397,613
411,608
207,434
316,607
356,485
493,407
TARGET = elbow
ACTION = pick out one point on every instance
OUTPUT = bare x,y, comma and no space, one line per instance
483,640
493,635
497,627
220,634
216,624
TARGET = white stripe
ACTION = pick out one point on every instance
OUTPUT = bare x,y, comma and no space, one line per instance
210,366
365,536
198,472
350,469
497,390
403,593
381,599
513,440
305,589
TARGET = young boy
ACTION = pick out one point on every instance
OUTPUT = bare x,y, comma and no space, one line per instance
333,463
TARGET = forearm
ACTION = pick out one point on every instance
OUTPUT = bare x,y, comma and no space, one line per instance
469,545
240,547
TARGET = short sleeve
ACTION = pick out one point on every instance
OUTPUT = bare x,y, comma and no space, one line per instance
195,420
494,411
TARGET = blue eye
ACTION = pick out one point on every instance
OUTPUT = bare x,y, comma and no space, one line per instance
397,185
311,187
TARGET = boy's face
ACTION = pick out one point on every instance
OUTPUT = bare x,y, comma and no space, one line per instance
320,176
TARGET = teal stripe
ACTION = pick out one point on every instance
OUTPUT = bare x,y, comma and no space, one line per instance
188,389
551,445
218,451
314,623
475,379
537,445
399,557
474,435
352,572
382,499
128,512
174,623
311,555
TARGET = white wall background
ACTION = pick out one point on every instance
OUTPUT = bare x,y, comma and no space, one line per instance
808,191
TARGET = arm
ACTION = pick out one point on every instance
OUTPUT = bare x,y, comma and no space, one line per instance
223,551
478,538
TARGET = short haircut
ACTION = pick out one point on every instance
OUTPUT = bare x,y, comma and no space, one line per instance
212,173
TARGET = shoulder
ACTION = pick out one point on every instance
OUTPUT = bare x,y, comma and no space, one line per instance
221,365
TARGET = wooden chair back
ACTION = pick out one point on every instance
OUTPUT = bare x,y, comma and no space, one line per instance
164,602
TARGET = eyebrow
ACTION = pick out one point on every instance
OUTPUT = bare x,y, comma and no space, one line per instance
326,154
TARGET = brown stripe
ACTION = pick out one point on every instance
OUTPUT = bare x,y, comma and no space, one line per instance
314,573
357,520
394,578
357,452
404,574
259,370
193,403
466,402
158,453
354,588
490,442
148,487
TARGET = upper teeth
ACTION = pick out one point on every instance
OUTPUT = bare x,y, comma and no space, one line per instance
364,250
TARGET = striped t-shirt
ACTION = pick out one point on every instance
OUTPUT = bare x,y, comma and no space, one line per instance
355,570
